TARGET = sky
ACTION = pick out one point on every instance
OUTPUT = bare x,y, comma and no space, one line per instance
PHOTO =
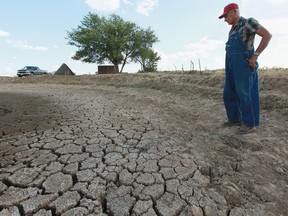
34,32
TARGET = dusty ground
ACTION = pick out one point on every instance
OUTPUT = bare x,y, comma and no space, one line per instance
140,151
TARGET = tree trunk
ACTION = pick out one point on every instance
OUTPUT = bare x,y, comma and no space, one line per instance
116,68
124,62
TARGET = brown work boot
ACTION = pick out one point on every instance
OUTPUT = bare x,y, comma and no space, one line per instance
244,129
232,123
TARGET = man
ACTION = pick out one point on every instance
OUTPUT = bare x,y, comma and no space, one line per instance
241,90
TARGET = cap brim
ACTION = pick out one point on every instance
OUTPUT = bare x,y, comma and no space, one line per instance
220,17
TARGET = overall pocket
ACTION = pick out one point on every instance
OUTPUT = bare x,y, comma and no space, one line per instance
255,69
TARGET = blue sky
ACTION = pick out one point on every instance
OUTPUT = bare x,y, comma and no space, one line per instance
34,32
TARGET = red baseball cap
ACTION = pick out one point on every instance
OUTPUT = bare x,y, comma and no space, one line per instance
228,8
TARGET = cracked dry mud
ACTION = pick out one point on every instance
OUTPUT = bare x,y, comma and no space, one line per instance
102,150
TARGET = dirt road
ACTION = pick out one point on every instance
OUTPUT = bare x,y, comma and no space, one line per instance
102,150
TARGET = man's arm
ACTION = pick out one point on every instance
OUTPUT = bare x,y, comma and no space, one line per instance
265,39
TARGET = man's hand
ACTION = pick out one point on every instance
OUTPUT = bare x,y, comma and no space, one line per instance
252,61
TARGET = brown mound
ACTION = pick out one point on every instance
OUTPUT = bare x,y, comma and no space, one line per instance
64,70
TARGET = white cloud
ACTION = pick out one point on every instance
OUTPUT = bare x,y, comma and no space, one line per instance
143,6
103,5
275,1
24,45
276,26
273,9
275,54
192,53
203,46
4,33
127,2
146,6
41,48
7,71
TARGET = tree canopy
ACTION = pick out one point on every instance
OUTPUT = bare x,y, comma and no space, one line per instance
144,54
113,40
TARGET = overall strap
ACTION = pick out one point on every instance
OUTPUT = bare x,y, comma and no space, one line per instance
235,29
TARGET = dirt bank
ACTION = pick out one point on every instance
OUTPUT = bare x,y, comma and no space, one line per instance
204,168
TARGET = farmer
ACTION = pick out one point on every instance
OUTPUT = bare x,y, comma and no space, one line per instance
241,90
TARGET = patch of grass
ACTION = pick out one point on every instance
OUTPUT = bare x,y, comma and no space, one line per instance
285,113
275,71
272,102
204,84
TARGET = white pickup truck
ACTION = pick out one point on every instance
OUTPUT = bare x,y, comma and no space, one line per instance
30,70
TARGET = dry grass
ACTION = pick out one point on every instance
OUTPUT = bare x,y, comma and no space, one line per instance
273,82
178,82
212,78
274,71
125,79
183,83
128,77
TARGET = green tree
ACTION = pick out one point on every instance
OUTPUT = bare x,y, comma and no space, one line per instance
99,39
150,62
144,53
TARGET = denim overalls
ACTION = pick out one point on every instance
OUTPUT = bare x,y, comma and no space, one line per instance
241,90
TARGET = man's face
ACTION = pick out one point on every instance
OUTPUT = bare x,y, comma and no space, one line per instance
230,17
